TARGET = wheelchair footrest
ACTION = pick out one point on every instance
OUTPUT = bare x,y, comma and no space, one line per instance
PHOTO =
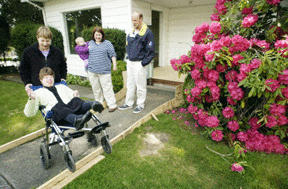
76,134
99,128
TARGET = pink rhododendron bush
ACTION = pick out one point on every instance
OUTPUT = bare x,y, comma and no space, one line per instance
237,84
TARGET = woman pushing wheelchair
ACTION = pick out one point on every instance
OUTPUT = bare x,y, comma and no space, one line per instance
61,100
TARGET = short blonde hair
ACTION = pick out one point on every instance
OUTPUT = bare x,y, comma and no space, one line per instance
45,32
45,71
78,39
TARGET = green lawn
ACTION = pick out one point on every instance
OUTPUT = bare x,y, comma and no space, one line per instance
184,162
13,123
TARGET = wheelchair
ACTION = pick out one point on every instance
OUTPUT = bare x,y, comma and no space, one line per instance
64,139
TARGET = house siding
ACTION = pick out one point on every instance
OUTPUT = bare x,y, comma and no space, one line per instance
182,23
114,14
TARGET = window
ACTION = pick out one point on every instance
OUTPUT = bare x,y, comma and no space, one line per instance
77,21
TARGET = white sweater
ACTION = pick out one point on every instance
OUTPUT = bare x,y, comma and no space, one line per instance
46,98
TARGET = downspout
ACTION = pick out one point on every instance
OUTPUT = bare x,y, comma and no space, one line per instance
37,6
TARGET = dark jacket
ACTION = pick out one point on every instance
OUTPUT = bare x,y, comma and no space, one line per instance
33,60
141,47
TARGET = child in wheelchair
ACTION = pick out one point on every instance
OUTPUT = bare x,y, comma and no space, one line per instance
61,100
60,105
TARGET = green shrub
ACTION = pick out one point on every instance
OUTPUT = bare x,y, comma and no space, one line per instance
117,79
116,36
24,35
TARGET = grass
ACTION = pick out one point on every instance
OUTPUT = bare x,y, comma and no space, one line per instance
13,123
184,162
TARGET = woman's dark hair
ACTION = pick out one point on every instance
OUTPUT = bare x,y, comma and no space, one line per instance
100,30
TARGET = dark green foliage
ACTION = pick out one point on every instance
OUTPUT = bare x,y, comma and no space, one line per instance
15,12
188,84
24,35
4,34
8,69
115,36
117,79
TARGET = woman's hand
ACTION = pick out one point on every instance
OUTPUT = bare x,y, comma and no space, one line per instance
76,93
28,89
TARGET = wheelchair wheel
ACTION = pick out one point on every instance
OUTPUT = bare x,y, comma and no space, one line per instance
106,144
92,139
70,163
44,155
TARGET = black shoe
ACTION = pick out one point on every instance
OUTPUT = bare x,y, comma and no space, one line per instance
79,122
97,106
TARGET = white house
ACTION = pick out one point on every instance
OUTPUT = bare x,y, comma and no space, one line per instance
171,21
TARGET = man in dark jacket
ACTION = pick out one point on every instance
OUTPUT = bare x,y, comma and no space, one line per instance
140,50
39,55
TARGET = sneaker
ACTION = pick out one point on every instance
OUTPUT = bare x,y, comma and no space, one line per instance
112,109
124,107
138,109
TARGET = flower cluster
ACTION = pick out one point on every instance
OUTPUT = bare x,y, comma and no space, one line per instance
238,87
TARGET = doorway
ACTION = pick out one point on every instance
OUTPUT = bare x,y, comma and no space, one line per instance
155,28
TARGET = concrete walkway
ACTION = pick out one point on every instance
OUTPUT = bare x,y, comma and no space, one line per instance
21,167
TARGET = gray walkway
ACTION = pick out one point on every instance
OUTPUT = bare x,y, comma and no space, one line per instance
21,167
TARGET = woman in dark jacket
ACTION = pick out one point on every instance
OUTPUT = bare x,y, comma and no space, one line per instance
39,55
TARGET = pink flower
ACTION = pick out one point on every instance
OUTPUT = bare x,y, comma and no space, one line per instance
283,77
282,120
245,68
236,58
225,41
242,136
201,84
192,109
253,123
213,75
271,121
249,20
217,135
209,55
195,74
215,92
285,92
255,63
241,76
231,101
215,17
221,68
233,125
273,2
277,109
237,167
215,27
272,84
228,112
187,123
216,45
195,92
231,75
247,10
202,29
212,121
239,44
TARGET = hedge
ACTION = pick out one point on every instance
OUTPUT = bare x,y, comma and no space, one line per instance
24,35
116,36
